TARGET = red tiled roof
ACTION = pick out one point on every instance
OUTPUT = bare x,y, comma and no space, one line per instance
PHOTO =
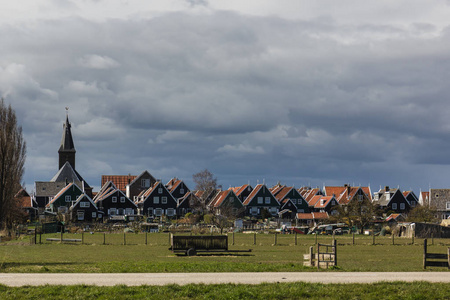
282,192
312,216
252,194
323,201
239,189
173,184
120,181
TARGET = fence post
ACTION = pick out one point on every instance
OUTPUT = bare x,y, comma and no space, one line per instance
448,257
432,239
124,239
82,237
61,238
254,238
146,238
425,253
104,238
373,237
296,239
353,238
318,256
275,239
35,235
316,238
311,258
335,252
412,239
393,235
233,238
40,237
169,238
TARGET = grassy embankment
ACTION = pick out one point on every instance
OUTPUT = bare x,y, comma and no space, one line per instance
301,290
136,256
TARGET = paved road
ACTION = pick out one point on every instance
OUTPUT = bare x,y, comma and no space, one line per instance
133,279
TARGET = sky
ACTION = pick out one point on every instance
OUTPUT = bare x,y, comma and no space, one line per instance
305,93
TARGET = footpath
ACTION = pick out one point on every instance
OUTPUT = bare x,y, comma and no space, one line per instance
136,279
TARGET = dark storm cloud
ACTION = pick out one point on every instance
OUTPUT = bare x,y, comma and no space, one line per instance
249,97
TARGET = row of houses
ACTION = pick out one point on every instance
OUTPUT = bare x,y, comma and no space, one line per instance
143,195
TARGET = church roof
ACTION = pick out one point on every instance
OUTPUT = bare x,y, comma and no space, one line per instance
67,140
68,174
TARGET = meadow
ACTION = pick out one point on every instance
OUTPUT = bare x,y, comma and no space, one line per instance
134,252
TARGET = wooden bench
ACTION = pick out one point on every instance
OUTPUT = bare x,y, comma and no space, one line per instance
435,259
192,244
63,240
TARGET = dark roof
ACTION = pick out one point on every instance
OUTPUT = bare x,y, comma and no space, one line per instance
67,140
67,174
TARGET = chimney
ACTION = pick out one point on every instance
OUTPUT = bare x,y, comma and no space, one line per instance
386,188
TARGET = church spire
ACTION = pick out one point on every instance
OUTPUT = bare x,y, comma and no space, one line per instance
67,149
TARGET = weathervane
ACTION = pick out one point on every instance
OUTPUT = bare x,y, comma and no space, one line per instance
67,110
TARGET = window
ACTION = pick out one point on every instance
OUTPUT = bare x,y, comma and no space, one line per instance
299,201
94,214
402,206
301,211
122,199
260,200
145,183
155,200
129,211
394,206
150,211
68,198
84,204
273,210
160,191
114,199
267,200
164,200
112,211
120,212
170,212
360,198
254,210
181,191
448,205
413,203
80,215
158,212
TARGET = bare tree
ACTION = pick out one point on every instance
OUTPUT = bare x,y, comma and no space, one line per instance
206,182
12,160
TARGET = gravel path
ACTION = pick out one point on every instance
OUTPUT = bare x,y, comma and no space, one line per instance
133,279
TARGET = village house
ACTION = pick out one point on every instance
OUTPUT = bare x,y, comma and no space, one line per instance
440,202
113,202
259,200
157,201
391,200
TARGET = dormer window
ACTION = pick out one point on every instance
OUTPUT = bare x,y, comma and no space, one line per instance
145,183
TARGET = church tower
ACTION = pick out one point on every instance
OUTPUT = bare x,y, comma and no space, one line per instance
67,149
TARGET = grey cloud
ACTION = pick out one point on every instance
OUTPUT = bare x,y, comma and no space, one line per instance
257,97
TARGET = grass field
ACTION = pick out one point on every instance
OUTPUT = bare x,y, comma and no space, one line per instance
137,256
300,290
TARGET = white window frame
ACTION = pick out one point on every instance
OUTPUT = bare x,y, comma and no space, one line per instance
80,215
85,204
112,212
394,206
163,200
145,183
122,199
181,191
94,214
160,190
155,200
68,198
402,206
260,200
170,212
447,205
267,200
114,199
158,212
299,201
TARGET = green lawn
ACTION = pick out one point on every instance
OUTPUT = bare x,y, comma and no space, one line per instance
136,256
300,290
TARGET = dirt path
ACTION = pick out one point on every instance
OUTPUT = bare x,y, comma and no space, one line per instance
132,279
